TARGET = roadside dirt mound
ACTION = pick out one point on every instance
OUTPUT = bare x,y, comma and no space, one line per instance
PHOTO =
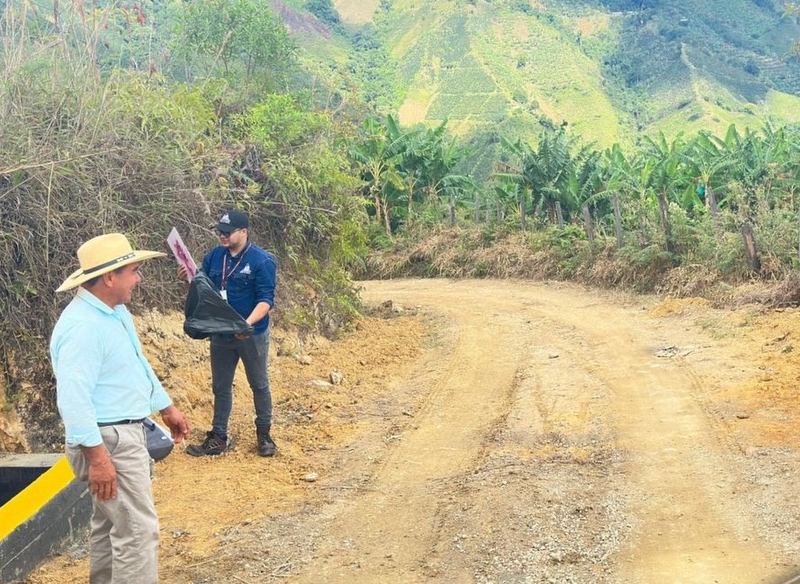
495,431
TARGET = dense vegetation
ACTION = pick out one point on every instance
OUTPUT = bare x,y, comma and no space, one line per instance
678,215
140,117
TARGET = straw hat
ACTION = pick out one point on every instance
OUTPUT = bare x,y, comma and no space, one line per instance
103,254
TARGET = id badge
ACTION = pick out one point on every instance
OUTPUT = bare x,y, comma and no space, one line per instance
224,294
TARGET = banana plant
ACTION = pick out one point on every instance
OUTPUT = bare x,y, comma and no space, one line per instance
527,173
377,155
585,184
432,157
555,164
710,160
669,178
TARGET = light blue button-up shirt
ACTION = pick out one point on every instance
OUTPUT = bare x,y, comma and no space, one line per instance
101,373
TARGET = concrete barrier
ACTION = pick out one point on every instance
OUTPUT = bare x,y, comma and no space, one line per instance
42,505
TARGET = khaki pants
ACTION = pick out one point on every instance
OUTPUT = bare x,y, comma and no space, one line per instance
124,539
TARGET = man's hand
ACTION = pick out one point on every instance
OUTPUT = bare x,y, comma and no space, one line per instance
182,275
102,474
260,311
177,423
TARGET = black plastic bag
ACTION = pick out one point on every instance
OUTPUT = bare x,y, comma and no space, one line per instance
208,314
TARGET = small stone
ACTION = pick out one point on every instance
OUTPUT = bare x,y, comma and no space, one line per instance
311,477
321,383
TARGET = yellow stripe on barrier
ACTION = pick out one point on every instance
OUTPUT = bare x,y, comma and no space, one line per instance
32,498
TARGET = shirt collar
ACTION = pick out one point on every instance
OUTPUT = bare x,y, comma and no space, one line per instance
241,252
94,301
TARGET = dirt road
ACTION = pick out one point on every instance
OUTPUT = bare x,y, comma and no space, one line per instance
550,420
540,433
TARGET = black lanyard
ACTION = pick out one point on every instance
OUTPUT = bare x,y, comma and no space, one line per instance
225,273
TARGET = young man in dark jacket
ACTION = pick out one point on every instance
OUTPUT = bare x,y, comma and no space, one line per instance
244,274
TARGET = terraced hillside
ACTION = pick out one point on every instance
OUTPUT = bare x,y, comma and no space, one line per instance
611,68
492,66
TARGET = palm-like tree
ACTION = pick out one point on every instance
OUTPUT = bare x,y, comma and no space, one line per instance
399,168
709,160
432,158
544,173
507,195
377,155
632,179
555,164
669,178
527,174
585,185
758,160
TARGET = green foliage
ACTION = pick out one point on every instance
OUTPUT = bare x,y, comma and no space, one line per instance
646,264
305,183
710,186
405,171
324,10
378,238
94,142
376,71
241,41
279,123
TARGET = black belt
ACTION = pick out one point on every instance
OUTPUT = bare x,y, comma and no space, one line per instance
121,422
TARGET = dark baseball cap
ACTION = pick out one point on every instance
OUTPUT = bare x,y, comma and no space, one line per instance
232,219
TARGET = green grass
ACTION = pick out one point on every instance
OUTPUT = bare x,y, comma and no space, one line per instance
783,106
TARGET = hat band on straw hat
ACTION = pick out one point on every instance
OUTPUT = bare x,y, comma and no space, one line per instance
111,263
95,254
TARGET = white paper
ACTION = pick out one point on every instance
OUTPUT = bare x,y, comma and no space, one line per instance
181,253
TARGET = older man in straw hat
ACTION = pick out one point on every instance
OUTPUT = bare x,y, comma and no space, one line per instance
106,388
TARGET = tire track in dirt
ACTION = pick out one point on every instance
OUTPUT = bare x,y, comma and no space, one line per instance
386,534
672,462
675,475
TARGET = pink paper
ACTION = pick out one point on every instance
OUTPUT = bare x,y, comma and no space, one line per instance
181,253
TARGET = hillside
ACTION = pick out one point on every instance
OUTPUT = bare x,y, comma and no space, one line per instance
613,69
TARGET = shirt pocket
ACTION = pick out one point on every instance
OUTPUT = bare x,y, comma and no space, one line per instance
216,275
242,281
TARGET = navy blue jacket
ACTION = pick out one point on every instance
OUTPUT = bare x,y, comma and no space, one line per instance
250,279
